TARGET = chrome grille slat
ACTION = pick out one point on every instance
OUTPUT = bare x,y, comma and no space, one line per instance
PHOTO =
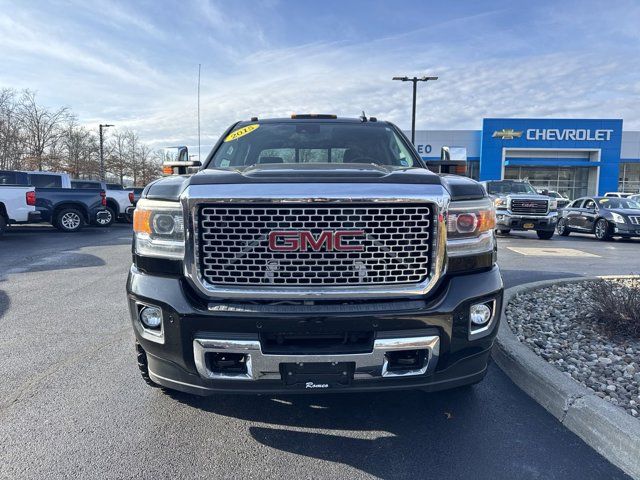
530,207
635,220
232,244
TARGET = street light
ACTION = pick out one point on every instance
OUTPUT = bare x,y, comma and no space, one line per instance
102,127
415,81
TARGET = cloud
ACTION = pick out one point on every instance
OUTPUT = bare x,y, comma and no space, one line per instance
137,67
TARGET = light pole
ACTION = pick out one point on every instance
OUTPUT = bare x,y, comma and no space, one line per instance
102,127
415,81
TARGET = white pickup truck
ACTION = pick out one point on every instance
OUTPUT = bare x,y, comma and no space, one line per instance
118,200
17,203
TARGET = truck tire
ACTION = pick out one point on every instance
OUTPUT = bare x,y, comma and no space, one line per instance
504,231
143,366
68,220
562,228
545,234
3,224
602,230
107,222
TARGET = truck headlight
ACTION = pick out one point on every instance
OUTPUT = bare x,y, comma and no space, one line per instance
470,226
617,217
500,203
158,229
553,204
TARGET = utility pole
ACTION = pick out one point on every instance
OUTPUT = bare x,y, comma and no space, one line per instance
102,127
415,81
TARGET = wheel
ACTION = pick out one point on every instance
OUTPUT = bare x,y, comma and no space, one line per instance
143,366
108,220
562,228
68,220
504,231
3,225
602,230
545,234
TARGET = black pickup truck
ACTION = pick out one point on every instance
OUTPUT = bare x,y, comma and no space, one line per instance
67,209
314,254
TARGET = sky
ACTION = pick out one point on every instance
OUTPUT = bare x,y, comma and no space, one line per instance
135,64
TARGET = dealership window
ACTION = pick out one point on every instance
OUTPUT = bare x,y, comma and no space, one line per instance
572,182
629,180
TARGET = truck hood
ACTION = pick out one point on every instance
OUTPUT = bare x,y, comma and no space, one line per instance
170,188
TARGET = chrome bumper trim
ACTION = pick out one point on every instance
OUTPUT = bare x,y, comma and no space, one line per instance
261,366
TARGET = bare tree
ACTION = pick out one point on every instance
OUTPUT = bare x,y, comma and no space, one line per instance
10,135
118,158
40,126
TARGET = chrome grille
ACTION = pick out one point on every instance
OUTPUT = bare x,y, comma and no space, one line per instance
529,207
233,244
634,220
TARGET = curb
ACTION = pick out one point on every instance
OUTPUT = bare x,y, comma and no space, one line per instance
604,427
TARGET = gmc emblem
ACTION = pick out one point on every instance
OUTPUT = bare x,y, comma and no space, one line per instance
304,241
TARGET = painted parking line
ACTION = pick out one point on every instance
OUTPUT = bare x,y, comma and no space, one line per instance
552,252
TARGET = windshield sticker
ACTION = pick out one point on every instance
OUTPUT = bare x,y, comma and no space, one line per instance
241,132
604,200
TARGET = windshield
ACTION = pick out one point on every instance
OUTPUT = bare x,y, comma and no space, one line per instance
613,202
497,188
312,142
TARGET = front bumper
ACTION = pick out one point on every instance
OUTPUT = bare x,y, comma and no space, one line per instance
507,220
626,230
192,329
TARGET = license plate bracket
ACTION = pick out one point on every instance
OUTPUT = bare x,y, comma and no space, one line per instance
317,375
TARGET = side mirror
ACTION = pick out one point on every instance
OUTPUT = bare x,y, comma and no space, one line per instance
545,191
176,161
181,168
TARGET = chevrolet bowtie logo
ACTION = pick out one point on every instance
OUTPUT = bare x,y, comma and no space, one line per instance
507,134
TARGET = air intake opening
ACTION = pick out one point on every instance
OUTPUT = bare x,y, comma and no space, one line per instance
405,360
223,362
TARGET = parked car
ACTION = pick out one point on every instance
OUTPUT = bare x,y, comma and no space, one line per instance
66,208
605,217
17,200
561,199
520,207
618,194
635,197
118,199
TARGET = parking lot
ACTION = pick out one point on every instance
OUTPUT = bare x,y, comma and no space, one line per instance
72,403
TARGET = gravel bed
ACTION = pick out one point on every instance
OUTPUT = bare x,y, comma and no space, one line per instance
552,321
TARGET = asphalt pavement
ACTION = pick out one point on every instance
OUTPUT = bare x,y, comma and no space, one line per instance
72,403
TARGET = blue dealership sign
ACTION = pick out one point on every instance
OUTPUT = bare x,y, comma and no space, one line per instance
560,137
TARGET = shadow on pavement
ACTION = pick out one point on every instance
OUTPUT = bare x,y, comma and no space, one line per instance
463,433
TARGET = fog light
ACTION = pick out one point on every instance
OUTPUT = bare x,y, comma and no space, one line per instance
151,317
480,314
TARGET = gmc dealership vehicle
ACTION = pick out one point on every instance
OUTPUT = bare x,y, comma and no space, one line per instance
313,254
520,207
17,201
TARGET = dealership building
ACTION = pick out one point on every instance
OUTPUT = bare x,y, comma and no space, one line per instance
571,156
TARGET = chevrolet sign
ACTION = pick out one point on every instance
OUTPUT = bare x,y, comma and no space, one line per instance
575,134
507,134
